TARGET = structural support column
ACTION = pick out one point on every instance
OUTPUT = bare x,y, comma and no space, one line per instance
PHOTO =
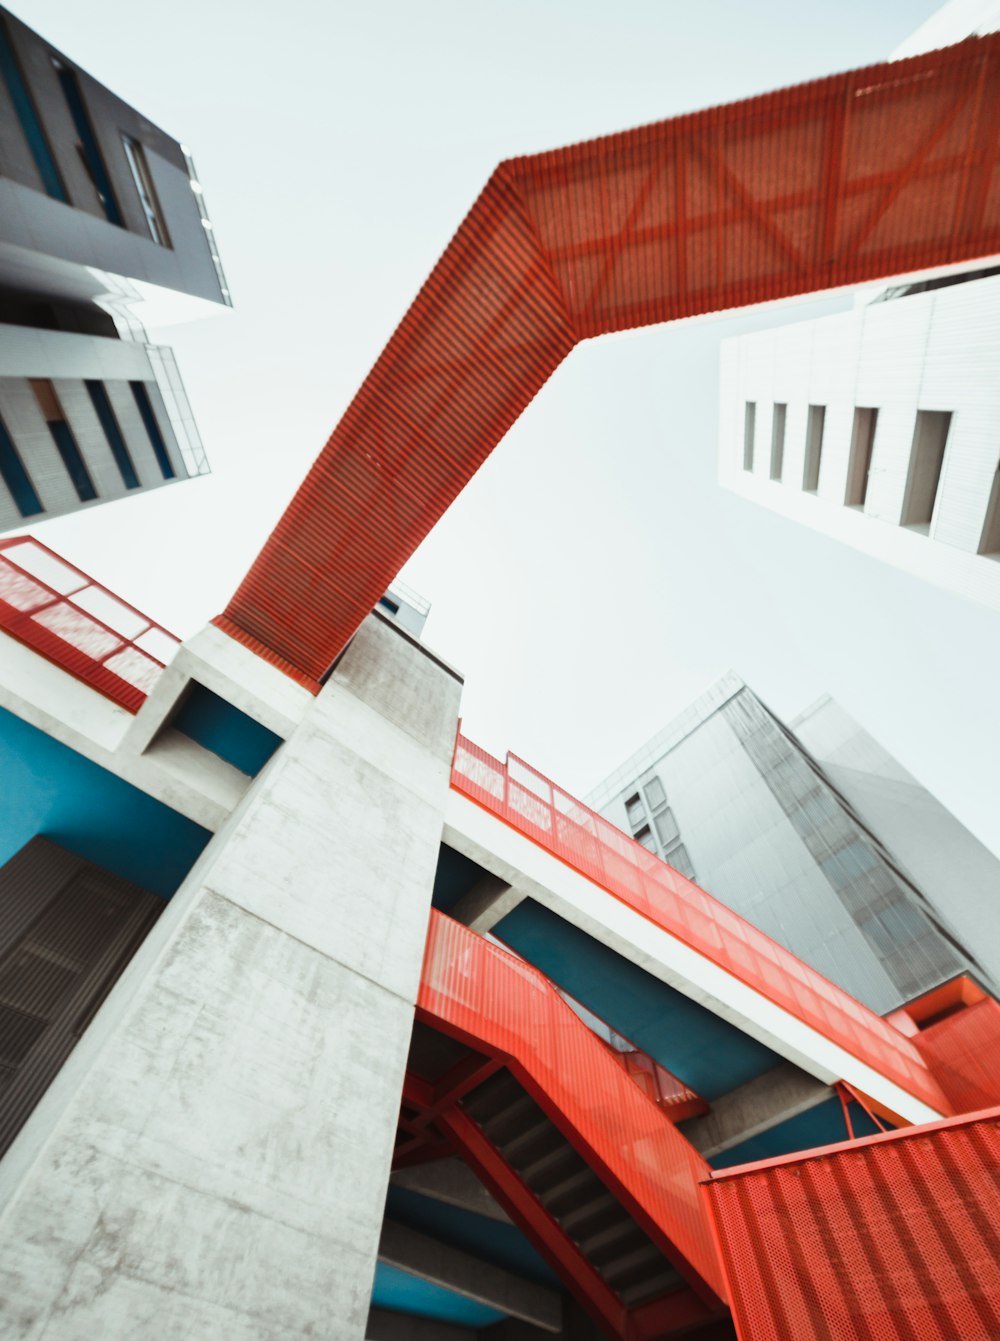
212,1160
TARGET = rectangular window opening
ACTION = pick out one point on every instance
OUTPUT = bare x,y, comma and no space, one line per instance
778,440
27,114
136,156
62,436
86,145
860,463
989,541
815,424
16,477
930,437
389,605
102,407
153,429
635,810
749,430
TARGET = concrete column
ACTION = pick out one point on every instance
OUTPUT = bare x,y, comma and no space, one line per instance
212,1161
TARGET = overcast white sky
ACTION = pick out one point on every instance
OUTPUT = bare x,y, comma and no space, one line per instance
594,577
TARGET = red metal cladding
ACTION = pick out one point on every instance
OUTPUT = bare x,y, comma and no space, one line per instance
851,178
492,1000
891,1238
71,620
534,806
963,1051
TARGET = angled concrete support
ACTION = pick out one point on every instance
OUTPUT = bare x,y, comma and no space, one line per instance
212,1160
431,1260
486,903
384,1325
779,1094
453,1182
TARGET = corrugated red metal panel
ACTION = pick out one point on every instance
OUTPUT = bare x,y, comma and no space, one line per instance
847,179
963,1051
586,841
493,1000
892,1238
68,618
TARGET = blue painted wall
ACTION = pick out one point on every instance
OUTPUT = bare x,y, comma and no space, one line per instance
822,1125
47,788
404,1293
226,731
706,1052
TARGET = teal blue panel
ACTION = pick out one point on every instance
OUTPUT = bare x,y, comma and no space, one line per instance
455,876
226,731
822,1125
49,789
706,1052
502,1244
404,1293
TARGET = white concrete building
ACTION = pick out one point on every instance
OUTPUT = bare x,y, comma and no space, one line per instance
879,427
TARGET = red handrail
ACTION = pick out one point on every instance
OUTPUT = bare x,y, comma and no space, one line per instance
54,608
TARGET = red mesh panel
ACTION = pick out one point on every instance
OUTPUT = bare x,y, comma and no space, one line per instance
893,1238
534,806
843,180
497,1002
71,620
963,1051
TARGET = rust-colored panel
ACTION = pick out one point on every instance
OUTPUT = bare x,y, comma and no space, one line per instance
847,179
891,1238
533,805
963,1051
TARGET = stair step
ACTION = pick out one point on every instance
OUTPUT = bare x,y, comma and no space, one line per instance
592,1215
531,1143
494,1095
651,1287
549,1166
570,1191
637,1264
612,1241
509,1120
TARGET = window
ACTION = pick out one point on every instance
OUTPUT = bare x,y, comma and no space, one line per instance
62,436
666,827
86,145
930,436
27,114
153,429
635,810
16,478
815,423
860,463
136,156
644,837
389,605
102,406
655,795
778,440
989,542
749,429
680,861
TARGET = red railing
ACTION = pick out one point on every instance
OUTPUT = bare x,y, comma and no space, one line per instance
564,826
71,620
493,1000
889,1238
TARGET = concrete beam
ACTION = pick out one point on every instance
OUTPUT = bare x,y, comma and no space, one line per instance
762,1103
453,1182
384,1325
487,903
431,1260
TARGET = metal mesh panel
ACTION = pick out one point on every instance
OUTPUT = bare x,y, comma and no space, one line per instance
964,1053
893,1238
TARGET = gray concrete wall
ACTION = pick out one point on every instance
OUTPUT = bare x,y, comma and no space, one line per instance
213,1159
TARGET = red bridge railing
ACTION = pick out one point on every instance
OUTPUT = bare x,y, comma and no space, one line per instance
71,620
564,826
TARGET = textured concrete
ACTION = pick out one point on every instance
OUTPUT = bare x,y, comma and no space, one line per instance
487,903
431,1260
453,1182
777,1095
212,1160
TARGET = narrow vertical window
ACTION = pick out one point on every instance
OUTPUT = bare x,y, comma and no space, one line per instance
102,406
930,437
815,424
136,156
86,144
27,114
62,436
778,441
153,429
16,477
989,541
749,429
860,463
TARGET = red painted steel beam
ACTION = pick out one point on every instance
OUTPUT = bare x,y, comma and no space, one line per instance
848,179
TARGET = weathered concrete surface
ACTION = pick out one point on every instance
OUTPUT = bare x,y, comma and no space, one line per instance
779,1094
487,903
432,1260
453,1182
212,1161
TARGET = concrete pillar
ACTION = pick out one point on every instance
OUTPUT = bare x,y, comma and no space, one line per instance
212,1161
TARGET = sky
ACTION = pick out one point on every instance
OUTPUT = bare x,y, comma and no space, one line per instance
593,578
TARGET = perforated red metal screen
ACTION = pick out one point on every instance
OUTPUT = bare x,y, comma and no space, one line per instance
846,179
894,1238
533,805
963,1051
